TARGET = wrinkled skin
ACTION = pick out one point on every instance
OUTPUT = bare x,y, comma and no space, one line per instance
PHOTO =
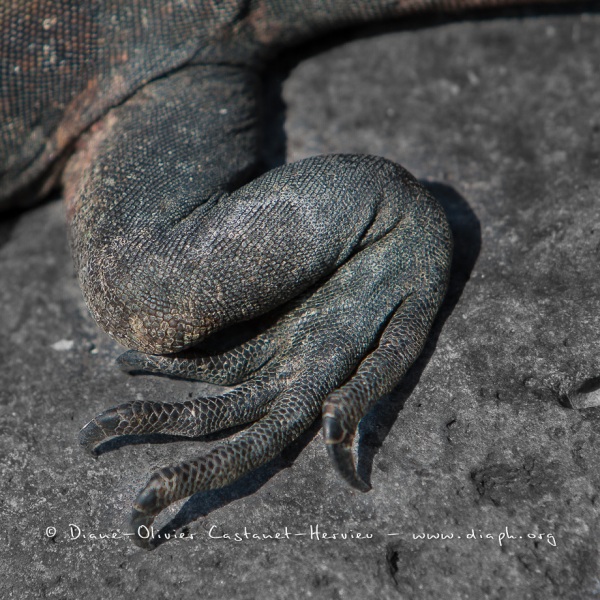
146,112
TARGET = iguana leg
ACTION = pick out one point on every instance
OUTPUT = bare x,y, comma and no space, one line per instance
169,249
319,343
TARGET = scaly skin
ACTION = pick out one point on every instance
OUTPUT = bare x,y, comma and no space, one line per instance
152,106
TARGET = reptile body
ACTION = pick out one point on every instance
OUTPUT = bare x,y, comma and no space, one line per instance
147,113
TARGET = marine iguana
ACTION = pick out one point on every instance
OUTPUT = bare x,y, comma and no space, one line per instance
147,113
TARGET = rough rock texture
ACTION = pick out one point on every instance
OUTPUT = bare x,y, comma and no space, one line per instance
495,426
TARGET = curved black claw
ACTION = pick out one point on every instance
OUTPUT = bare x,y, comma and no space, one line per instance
339,447
140,525
145,508
95,432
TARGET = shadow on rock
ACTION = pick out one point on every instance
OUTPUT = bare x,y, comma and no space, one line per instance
8,221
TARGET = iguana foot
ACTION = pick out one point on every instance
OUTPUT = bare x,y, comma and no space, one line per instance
382,300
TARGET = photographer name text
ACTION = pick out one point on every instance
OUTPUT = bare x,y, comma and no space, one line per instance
314,533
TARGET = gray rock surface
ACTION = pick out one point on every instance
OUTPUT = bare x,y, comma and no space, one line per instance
495,429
